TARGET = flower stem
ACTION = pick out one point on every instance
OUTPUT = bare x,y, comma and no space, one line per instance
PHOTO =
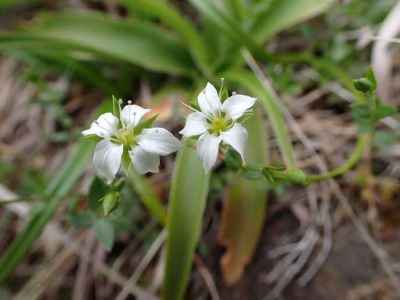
145,191
354,158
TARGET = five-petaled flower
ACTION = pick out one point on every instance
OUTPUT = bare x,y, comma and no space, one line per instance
217,122
144,145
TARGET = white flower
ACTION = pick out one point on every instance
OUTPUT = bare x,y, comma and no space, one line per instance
144,145
217,122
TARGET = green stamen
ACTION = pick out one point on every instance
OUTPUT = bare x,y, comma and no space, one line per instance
219,124
126,137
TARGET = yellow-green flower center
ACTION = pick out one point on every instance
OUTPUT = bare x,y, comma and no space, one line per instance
126,137
219,124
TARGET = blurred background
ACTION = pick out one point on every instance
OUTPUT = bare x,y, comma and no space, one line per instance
60,63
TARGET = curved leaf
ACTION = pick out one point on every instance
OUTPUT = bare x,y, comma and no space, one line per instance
244,208
172,18
249,81
57,189
135,42
281,14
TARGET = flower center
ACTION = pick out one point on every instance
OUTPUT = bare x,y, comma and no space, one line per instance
126,137
219,124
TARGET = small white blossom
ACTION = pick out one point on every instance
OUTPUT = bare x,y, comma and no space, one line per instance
144,145
217,122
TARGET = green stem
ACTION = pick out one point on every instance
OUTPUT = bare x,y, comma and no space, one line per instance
362,143
334,72
145,191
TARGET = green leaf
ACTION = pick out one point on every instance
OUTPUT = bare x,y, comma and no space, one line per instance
5,4
282,14
271,105
98,189
105,233
146,192
172,18
367,115
82,219
252,173
58,188
135,42
244,208
238,8
220,16
186,207
110,202
146,123
55,192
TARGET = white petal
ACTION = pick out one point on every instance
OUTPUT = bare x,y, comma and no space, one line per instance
196,123
132,114
207,148
105,126
209,101
236,105
144,161
159,141
237,138
107,159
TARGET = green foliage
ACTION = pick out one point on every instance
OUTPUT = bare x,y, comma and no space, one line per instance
187,202
105,233
271,105
281,14
6,169
110,202
181,48
167,14
245,205
56,190
136,42
7,4
277,175
98,189
369,112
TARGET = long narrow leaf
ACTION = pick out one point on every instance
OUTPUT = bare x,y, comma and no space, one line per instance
58,188
135,42
147,195
172,18
244,209
250,82
281,14
187,202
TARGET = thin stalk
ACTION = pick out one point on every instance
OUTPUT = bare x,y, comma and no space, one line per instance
145,191
362,142
324,66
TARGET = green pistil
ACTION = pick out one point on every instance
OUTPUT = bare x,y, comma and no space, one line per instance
126,137
219,124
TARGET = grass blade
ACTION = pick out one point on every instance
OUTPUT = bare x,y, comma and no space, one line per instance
187,202
172,18
147,195
135,42
271,105
281,14
58,188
